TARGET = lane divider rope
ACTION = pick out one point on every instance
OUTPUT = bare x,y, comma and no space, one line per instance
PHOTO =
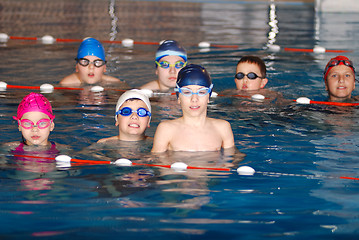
65,161
48,88
127,42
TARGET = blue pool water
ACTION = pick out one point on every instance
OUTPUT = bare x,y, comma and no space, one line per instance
299,152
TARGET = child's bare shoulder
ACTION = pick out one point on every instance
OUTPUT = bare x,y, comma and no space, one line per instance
153,85
218,122
220,125
71,80
110,79
103,140
11,144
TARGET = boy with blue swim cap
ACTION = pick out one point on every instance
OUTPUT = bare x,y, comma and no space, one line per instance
170,59
194,131
90,65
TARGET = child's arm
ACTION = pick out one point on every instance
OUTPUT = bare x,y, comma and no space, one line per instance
162,138
227,135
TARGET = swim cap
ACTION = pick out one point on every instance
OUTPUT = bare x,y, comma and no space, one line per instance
34,102
130,94
338,60
193,75
91,47
170,48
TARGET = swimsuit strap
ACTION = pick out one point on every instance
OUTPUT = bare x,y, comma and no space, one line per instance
53,149
53,145
20,148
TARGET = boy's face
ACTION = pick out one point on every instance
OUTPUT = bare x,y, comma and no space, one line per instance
168,76
193,105
90,74
246,83
340,83
35,135
133,126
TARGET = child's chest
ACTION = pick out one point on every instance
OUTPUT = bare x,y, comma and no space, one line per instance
196,139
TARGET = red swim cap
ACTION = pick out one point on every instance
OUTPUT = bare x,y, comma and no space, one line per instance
337,61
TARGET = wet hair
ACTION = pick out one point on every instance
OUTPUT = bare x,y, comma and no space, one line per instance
255,60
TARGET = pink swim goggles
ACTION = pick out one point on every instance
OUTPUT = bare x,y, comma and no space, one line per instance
41,124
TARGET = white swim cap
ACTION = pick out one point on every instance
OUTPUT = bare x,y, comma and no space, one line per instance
130,94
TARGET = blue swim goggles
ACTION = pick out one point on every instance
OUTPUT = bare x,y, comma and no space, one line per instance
126,111
188,92
177,65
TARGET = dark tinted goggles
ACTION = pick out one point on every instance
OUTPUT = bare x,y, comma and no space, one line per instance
85,62
250,75
336,62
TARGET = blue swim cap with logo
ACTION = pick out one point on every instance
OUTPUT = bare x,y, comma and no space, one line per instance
91,47
170,48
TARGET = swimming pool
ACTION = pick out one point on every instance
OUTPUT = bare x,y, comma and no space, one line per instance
299,151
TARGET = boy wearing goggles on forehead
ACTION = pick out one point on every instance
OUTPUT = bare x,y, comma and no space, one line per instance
90,66
132,115
339,78
250,74
194,131
170,59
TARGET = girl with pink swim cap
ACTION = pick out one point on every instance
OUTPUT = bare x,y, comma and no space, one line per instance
35,119
35,122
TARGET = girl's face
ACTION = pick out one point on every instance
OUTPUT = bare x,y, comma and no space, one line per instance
132,127
35,135
167,77
340,83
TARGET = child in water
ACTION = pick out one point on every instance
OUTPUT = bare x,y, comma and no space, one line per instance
90,66
250,73
35,122
170,59
339,78
132,115
31,156
251,78
194,131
